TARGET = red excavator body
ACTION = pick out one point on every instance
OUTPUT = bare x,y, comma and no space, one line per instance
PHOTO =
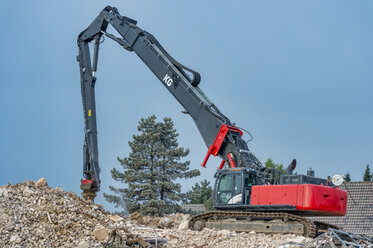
308,199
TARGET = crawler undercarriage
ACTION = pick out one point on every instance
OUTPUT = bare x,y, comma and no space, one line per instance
260,222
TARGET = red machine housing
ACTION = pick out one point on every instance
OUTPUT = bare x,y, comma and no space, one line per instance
309,199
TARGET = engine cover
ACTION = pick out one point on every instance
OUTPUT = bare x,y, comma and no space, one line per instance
308,199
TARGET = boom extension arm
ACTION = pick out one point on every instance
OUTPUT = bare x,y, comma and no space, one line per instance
220,136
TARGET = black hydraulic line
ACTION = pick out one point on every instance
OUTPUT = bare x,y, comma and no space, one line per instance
95,53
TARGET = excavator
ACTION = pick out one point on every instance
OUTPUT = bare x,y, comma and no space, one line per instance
247,196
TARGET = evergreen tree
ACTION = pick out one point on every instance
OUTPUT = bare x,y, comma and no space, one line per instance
367,175
209,205
347,177
199,194
151,169
270,164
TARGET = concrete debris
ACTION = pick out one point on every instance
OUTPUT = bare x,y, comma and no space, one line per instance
3,191
184,225
299,239
332,239
84,244
27,192
35,215
137,217
41,182
209,238
170,221
101,234
116,218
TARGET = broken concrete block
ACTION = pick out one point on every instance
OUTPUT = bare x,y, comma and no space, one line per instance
27,192
184,225
116,218
84,244
171,236
298,239
15,239
41,182
101,233
3,192
143,243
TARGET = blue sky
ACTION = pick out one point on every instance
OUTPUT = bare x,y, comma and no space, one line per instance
297,74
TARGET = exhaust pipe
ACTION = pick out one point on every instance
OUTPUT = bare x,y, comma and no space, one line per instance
291,167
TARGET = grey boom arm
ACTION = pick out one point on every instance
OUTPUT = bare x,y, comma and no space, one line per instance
172,74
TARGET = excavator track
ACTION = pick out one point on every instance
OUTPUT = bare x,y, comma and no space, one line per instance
261,222
323,227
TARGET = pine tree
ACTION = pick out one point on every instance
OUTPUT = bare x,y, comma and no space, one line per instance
151,169
347,177
367,175
199,194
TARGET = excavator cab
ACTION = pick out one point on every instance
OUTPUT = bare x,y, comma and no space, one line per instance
245,189
233,187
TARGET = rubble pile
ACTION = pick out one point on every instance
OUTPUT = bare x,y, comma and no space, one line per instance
34,215
171,221
181,236
334,239
208,238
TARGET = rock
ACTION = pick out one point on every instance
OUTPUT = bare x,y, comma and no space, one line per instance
224,232
298,239
171,236
116,218
10,227
142,243
184,225
84,244
137,217
252,233
27,192
41,182
58,189
101,233
28,183
166,221
3,192
15,239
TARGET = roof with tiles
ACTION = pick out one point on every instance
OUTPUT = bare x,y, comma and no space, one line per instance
359,217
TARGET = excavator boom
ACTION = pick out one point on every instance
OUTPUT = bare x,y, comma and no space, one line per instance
217,131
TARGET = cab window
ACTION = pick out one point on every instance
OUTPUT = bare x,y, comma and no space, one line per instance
226,183
238,184
230,189
250,180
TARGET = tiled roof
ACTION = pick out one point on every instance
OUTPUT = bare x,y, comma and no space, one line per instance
359,217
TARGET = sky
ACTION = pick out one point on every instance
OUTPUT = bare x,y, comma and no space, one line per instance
296,74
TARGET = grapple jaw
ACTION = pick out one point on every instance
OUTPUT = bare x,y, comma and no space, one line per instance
89,187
